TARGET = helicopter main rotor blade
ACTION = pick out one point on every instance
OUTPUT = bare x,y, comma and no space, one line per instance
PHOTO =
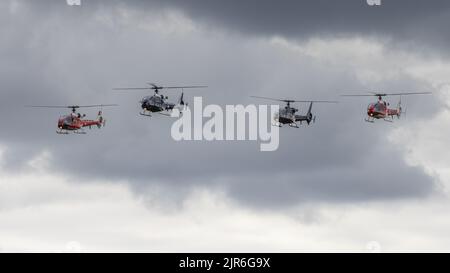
267,98
71,106
44,106
96,105
358,95
134,88
373,94
183,87
284,100
404,94
318,101
155,87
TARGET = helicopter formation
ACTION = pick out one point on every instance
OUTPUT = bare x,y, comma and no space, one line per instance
160,104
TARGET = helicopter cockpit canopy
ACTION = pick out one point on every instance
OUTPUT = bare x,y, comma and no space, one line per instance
147,98
67,120
157,99
377,107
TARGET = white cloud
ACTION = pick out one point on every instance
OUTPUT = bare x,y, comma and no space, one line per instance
44,212
40,211
425,141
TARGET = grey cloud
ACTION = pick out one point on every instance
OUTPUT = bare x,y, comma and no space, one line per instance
414,24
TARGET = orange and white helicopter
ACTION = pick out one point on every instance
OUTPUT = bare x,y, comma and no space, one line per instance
74,121
381,110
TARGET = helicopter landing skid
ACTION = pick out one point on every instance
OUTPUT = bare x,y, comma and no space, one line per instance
145,114
294,125
79,132
164,114
62,132
388,120
370,120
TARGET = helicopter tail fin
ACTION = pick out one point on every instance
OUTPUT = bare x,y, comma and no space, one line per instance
181,100
182,105
309,115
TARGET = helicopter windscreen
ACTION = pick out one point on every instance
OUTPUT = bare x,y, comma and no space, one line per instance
157,99
68,120
283,112
377,107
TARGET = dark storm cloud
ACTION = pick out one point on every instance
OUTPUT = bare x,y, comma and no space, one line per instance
416,24
411,21
54,54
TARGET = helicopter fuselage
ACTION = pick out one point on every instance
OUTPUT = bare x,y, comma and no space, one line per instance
156,103
74,122
288,116
380,110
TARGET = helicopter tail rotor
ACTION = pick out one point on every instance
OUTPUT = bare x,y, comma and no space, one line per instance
310,118
101,120
309,115
399,108
182,105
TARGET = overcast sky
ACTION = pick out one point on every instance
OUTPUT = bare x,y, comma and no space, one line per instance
338,184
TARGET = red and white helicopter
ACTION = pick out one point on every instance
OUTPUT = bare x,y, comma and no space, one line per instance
75,122
381,110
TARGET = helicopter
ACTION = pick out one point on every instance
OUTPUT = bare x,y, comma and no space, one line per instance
157,103
287,115
75,122
381,110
